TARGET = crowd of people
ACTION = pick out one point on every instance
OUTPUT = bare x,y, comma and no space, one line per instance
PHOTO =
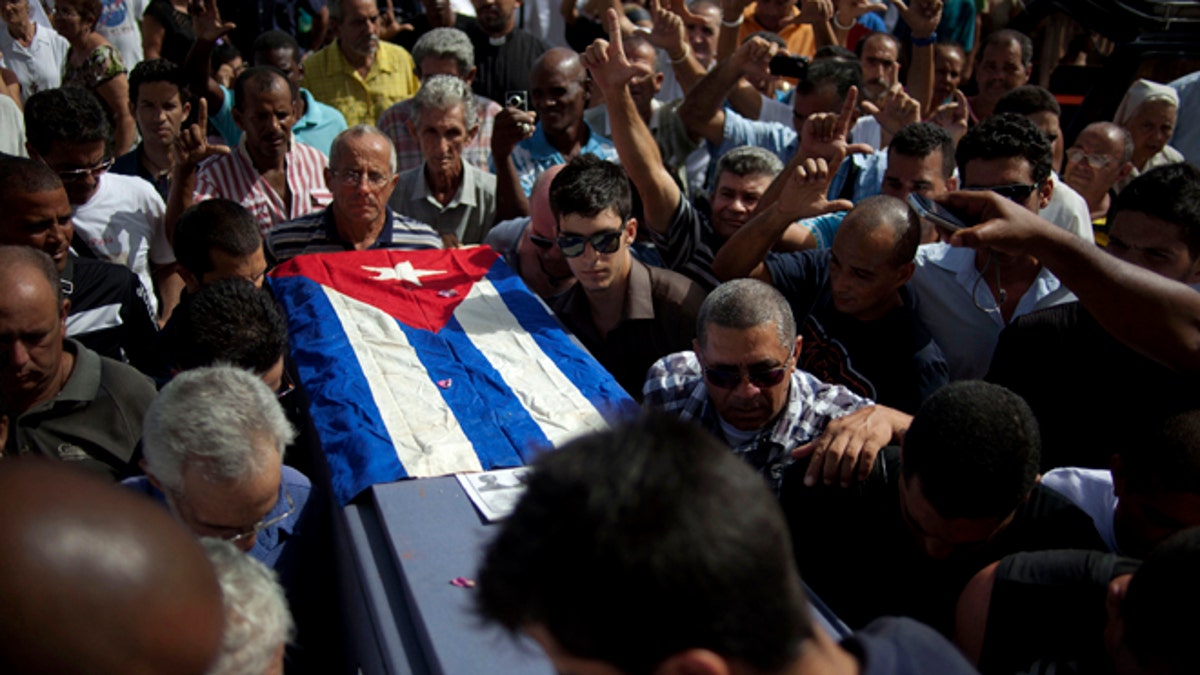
901,346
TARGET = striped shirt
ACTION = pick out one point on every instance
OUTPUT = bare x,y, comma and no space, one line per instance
689,245
317,233
331,78
394,123
234,177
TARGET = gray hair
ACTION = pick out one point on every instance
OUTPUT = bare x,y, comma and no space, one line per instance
257,620
443,43
11,256
358,131
210,417
746,303
747,160
443,92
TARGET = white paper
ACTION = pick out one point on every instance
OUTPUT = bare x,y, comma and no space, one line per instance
495,493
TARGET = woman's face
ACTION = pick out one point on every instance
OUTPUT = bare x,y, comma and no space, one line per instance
1151,127
69,21
14,12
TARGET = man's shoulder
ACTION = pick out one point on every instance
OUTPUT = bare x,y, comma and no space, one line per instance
310,154
125,383
899,646
672,380
395,54
130,189
670,286
323,62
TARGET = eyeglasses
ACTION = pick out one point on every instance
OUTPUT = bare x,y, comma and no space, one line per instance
74,175
286,386
544,243
261,525
1096,161
1017,192
354,178
762,379
573,245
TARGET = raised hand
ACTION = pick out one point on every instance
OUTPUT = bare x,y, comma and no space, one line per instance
953,117
606,61
922,16
753,58
846,450
668,32
512,126
804,193
206,20
896,111
193,146
815,12
679,7
824,134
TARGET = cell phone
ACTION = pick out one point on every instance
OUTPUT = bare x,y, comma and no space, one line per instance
517,99
935,213
786,65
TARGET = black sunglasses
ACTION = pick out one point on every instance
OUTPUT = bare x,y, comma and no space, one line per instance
762,379
1017,192
544,243
573,245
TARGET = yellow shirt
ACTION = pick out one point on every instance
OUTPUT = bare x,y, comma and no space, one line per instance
798,36
333,81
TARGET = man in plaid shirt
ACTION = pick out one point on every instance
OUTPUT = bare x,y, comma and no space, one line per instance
741,383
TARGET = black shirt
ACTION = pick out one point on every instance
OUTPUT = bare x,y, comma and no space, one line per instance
110,311
507,67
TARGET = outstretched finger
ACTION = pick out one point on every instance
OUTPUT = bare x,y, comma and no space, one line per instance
843,120
202,117
616,46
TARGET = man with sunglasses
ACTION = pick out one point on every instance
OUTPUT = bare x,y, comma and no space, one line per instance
1101,157
528,243
626,313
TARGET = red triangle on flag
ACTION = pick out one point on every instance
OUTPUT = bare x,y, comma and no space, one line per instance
419,288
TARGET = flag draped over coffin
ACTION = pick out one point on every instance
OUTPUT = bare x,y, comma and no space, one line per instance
425,363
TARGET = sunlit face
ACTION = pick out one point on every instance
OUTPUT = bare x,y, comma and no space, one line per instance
542,225
558,95
358,29
32,329
361,180
599,272
1001,70
14,12
160,112
496,17
266,117
880,65
1153,244
863,274
940,538
225,509
748,351
1047,123
1102,146
734,200
771,13
1151,127
643,87
948,64
40,220
703,36
442,135
80,165
922,175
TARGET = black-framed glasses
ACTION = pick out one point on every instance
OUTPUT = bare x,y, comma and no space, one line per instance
762,379
1096,161
544,243
73,175
354,178
573,245
1016,192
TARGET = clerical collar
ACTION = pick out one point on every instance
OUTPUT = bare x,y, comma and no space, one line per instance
497,41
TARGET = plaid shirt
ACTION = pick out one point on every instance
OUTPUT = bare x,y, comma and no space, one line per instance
393,123
333,81
675,384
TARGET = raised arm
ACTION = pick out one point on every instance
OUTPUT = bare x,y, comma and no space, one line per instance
669,34
512,126
612,72
1153,315
732,14
923,17
197,67
702,111
192,148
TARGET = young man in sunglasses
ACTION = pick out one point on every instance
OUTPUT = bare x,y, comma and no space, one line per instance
626,313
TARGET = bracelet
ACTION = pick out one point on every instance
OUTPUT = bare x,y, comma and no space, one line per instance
733,24
925,41
838,24
687,51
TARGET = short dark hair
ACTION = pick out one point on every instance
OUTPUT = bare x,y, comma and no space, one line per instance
1158,611
1007,35
1170,193
898,216
1167,456
589,185
275,39
20,174
741,304
1003,136
833,52
1028,99
219,224
831,73
92,8
976,448
66,115
643,513
230,321
261,79
157,70
921,140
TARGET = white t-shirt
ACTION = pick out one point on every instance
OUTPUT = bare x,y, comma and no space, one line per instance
39,66
123,223
12,128
120,23
1092,491
1068,210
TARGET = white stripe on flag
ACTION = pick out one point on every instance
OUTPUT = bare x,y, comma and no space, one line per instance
553,401
427,437
91,320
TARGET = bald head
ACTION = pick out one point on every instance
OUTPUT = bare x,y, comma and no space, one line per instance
97,580
558,60
542,220
882,211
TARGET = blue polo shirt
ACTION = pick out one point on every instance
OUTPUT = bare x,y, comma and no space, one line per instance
534,155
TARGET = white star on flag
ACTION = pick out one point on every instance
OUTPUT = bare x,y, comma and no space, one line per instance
403,271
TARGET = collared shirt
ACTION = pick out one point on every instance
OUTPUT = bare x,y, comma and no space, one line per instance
234,177
675,384
394,122
317,128
130,164
468,216
953,300
690,244
361,100
660,309
317,233
39,66
534,155
1068,210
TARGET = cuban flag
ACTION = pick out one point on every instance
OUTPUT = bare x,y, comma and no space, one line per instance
427,363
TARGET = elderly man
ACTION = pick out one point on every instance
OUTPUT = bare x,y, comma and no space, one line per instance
98,582
61,399
361,175
1101,157
359,74
529,246
258,624
879,56
1005,63
441,51
110,310
626,313
504,52
457,199
741,382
